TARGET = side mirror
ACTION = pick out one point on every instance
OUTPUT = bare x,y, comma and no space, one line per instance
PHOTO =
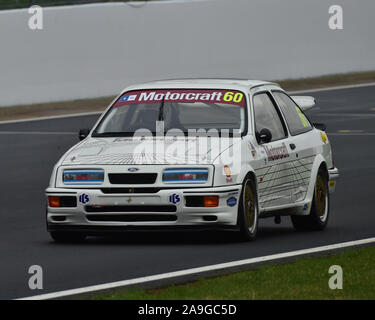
83,133
320,126
265,136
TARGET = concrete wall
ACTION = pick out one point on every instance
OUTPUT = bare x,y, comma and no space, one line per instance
96,50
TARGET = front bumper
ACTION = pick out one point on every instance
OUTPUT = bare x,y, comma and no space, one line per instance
149,209
333,176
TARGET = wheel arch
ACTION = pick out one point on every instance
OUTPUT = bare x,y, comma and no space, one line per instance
318,163
248,171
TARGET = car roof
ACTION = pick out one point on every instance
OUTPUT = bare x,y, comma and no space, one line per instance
196,83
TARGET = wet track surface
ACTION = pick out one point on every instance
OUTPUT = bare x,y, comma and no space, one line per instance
29,150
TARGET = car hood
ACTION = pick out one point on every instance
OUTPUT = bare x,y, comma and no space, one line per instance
129,150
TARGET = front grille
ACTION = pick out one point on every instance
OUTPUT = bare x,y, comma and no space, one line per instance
129,190
132,208
132,178
130,217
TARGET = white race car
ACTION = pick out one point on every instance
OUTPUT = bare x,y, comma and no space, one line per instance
194,153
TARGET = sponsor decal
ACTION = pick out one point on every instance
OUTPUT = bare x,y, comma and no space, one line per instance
228,174
306,207
252,149
324,137
232,97
276,153
302,117
231,202
175,198
129,98
331,185
84,198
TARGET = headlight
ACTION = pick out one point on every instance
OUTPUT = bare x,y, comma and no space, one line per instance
185,176
83,176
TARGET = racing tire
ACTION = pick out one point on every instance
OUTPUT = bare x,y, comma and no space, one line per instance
67,237
318,218
248,209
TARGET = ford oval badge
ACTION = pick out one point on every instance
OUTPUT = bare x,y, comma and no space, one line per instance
133,169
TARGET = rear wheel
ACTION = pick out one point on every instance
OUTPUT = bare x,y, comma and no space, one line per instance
318,217
247,218
67,237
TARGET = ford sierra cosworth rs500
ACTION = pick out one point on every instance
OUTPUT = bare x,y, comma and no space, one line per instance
194,153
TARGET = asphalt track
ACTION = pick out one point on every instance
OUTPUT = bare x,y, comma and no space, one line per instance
29,150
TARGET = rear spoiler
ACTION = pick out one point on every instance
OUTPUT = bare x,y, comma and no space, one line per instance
304,102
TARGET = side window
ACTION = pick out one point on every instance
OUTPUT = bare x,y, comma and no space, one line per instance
297,121
267,117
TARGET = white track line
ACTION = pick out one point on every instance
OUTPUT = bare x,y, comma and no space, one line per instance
352,134
71,115
350,86
99,112
175,274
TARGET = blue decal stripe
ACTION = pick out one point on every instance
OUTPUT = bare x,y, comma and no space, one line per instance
188,180
83,183
185,172
83,172
195,170
183,182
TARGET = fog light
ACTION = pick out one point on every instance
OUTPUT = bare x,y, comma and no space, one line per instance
54,202
211,201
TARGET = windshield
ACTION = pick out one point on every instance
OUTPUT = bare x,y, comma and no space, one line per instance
182,109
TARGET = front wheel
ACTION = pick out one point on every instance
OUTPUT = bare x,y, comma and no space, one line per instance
247,219
318,217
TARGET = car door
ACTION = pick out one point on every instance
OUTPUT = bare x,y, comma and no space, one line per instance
301,142
272,165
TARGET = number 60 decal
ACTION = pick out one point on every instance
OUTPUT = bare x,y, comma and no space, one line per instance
231,96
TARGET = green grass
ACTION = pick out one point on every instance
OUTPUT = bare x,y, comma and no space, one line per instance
305,278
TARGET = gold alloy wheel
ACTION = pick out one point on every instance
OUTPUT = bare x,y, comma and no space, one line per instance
249,207
321,197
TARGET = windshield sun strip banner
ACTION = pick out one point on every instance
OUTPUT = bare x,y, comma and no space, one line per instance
232,97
